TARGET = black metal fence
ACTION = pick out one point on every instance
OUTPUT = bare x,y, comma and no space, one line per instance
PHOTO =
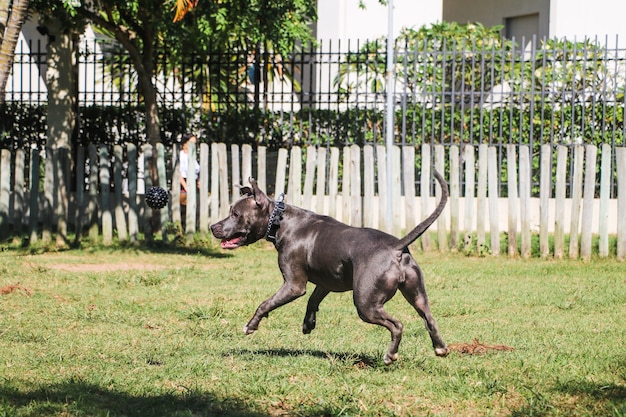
452,93
550,92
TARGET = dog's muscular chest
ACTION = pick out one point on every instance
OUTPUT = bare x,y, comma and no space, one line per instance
317,255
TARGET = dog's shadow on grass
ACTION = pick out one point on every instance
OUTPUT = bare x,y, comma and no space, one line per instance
611,391
359,360
611,396
82,398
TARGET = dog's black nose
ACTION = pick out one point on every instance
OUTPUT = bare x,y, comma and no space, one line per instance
216,229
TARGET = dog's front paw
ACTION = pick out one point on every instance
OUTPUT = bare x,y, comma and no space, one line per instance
389,359
248,329
308,326
443,352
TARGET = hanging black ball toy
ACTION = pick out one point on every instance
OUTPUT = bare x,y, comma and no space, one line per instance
156,198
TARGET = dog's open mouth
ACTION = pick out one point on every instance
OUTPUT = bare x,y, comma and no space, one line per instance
232,243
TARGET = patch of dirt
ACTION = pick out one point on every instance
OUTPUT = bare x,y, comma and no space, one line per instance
106,267
477,348
15,287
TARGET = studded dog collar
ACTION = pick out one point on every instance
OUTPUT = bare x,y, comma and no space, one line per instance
275,218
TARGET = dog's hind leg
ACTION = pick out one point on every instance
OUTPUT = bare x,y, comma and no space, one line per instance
370,306
414,292
312,307
378,315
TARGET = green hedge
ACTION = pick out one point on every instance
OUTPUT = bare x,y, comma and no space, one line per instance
26,125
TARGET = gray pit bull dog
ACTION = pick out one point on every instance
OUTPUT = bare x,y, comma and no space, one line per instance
335,257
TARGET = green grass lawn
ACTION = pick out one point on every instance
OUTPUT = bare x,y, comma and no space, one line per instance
124,332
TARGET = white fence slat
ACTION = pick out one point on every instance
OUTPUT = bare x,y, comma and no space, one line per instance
368,187
559,203
147,182
383,193
133,212
105,186
425,176
48,198
246,163
577,193
320,182
261,174
281,171
19,205
513,198
214,201
494,217
442,224
356,216
455,194
606,172
235,172
79,200
589,189
294,187
481,197
175,205
120,214
222,175
345,186
524,199
192,192
163,214
620,160
396,191
5,191
309,178
333,182
92,206
61,158
408,177
33,220
470,194
544,199
203,200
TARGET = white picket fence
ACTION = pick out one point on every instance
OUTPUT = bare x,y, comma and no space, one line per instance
349,184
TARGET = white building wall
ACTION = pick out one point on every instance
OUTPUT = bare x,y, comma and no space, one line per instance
344,19
588,18
342,25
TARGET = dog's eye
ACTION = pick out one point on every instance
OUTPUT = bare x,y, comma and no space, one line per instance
235,214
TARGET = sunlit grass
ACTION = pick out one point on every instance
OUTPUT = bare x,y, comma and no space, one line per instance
131,332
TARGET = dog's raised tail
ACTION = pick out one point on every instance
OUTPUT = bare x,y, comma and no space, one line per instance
424,225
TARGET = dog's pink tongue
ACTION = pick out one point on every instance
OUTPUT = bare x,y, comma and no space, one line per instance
231,244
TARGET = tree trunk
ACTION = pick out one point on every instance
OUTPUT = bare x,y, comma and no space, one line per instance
9,36
148,89
153,125
143,64
61,119
4,17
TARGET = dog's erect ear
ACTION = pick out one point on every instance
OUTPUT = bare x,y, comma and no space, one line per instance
245,191
259,196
